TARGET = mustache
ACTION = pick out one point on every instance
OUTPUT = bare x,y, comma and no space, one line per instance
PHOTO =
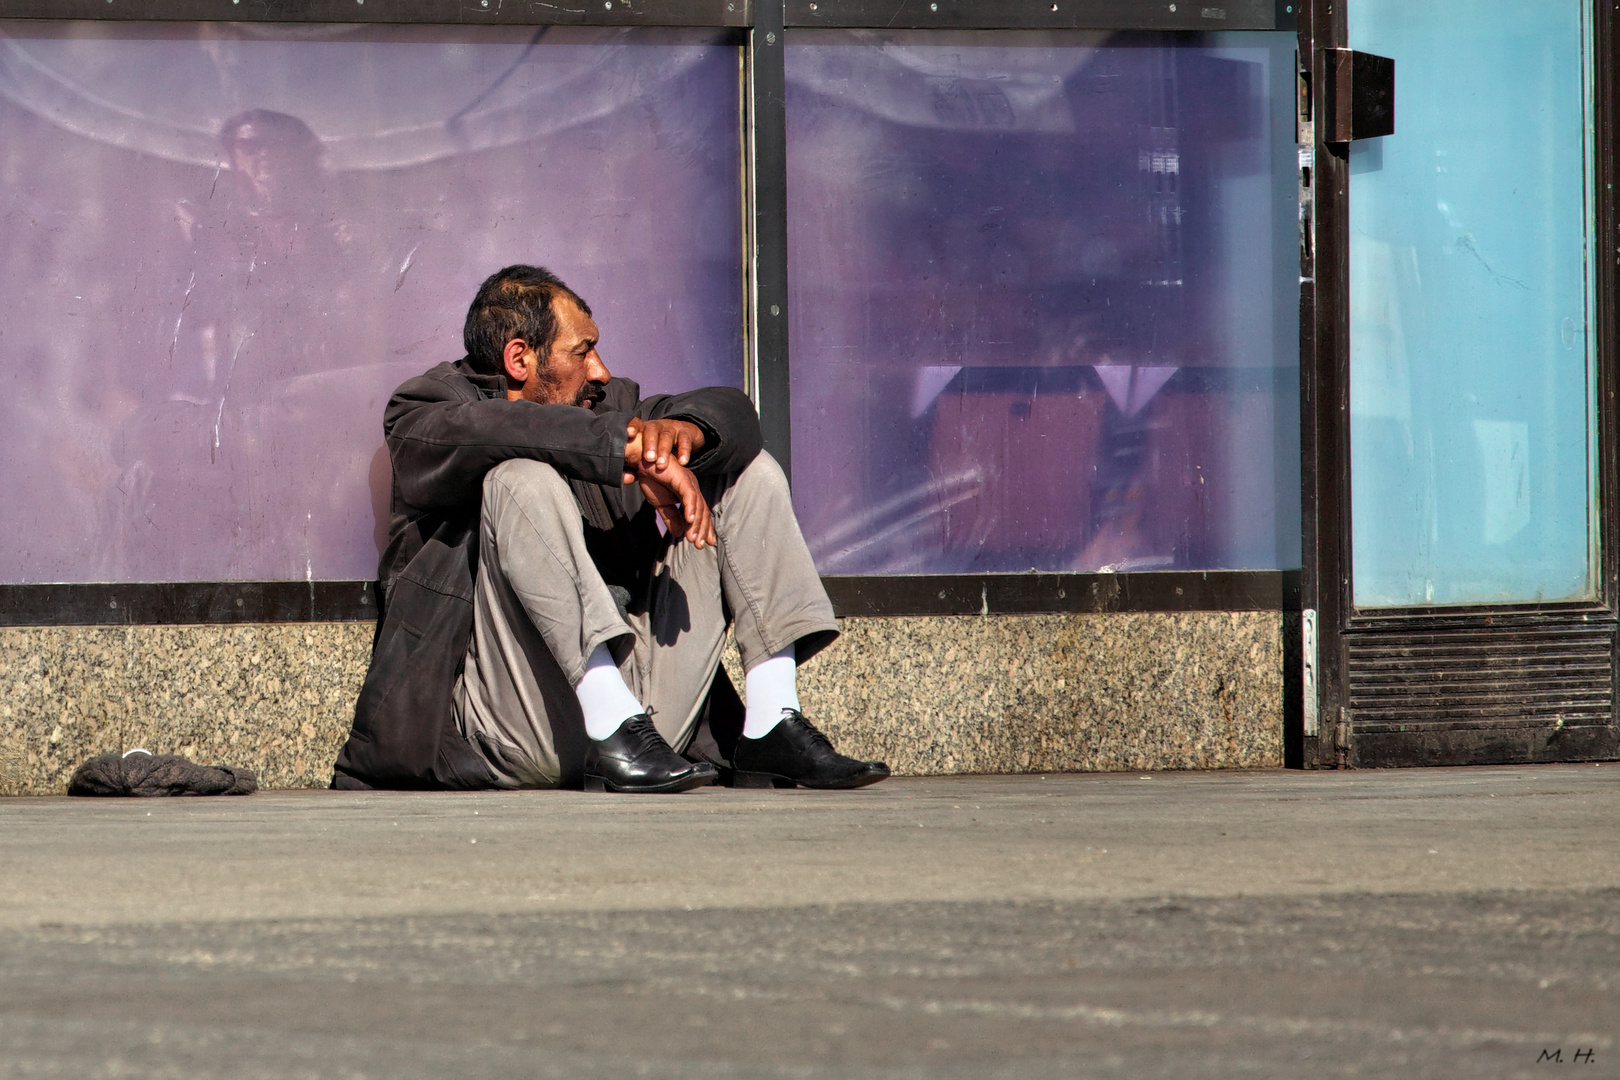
590,394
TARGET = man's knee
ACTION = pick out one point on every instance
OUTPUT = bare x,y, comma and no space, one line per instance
763,473
530,484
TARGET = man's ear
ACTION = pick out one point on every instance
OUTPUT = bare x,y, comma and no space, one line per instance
514,361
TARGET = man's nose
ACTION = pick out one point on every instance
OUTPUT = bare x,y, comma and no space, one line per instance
597,371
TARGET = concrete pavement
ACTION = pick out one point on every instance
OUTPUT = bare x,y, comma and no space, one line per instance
1433,923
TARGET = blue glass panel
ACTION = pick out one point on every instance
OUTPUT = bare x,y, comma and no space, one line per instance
1471,374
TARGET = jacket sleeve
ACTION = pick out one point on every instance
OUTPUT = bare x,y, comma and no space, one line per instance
442,444
731,432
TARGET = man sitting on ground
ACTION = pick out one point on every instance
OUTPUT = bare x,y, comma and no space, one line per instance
539,627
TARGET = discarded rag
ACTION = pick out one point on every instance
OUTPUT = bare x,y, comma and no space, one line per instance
144,774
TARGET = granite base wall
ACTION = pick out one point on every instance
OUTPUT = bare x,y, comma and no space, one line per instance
972,694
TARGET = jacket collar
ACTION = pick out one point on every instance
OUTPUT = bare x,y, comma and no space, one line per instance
487,385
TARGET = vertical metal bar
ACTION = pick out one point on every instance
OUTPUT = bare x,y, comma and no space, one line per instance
1325,369
1606,259
1309,496
767,195
1298,748
1605,320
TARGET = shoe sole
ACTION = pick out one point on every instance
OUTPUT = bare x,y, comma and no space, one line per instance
600,785
738,779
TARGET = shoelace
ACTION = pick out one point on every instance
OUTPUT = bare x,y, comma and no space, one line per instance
815,732
646,735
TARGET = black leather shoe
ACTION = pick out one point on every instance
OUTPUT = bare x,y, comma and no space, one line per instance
637,759
794,752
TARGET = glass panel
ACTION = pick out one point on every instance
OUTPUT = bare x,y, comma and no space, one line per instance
1470,372
1044,301
223,245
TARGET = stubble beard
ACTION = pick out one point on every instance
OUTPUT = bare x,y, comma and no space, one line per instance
549,392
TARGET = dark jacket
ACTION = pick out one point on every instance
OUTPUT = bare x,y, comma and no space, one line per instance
445,430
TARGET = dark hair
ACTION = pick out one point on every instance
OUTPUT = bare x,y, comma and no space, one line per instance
514,302
264,124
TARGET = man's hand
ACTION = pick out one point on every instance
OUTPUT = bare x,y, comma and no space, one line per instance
655,442
656,453
674,493
655,456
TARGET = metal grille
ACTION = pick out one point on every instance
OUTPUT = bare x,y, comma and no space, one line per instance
1557,674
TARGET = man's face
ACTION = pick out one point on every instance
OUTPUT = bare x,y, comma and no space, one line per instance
274,167
573,374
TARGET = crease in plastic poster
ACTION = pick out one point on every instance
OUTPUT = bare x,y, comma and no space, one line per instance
1043,301
222,246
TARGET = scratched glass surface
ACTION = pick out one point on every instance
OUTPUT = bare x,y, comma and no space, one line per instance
1043,301
1473,465
222,246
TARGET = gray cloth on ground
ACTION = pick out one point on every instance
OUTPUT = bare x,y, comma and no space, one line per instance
146,775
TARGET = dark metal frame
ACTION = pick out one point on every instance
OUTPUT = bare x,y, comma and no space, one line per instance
1026,594
190,603
1325,586
1038,14
719,13
187,603
1324,340
766,314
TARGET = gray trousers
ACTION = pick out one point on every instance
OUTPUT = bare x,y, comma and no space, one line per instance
541,607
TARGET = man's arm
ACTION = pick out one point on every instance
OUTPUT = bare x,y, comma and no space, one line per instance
441,443
673,491
657,442
730,426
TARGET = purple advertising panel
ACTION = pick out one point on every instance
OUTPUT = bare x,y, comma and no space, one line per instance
1044,301
222,246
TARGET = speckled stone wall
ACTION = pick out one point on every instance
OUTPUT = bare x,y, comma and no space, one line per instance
275,698
1053,693
971,694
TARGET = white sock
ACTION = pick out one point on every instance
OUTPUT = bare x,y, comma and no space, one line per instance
771,687
607,702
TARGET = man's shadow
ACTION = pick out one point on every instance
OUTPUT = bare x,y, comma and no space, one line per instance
380,482
671,614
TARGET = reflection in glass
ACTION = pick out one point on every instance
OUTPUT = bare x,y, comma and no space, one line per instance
222,246
1044,301
1472,472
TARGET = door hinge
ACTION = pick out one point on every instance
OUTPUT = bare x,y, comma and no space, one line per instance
1342,735
1307,644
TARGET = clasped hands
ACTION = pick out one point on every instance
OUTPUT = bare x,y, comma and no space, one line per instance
656,453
